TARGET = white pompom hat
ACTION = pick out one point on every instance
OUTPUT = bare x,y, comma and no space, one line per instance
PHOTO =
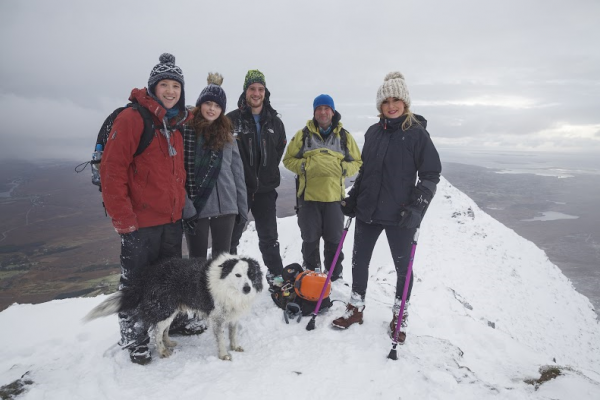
393,86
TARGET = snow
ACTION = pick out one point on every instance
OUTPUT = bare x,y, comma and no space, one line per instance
488,310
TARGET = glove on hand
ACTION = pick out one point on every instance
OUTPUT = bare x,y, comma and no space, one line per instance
349,207
412,214
189,224
410,217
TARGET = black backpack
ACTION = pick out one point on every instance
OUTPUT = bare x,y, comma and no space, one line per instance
107,125
290,294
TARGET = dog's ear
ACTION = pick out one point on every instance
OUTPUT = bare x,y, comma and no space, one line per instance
254,273
228,266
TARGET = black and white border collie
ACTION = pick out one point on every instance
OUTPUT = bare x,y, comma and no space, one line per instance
221,290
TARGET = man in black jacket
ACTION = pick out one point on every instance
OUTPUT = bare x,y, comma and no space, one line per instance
261,140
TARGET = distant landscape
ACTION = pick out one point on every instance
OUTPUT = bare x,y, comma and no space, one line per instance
56,242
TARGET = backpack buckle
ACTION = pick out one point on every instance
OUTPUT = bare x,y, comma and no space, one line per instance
292,310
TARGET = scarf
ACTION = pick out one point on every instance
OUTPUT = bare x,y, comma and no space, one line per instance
207,165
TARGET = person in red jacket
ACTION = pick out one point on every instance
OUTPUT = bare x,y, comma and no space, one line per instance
145,195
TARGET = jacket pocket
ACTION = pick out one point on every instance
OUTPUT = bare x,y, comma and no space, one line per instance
140,183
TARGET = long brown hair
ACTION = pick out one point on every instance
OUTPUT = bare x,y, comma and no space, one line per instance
216,134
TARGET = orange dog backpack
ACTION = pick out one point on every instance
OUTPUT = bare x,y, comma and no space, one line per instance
302,288
309,284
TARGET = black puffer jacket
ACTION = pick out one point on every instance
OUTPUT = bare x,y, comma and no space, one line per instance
392,159
261,160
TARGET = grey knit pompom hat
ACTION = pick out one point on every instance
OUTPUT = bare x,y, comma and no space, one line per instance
166,69
394,85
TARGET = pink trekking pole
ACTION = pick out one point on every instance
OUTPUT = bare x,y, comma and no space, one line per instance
393,354
311,323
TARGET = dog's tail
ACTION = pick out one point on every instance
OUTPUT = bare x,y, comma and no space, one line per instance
110,306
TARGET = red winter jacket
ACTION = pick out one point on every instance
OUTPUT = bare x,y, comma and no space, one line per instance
147,190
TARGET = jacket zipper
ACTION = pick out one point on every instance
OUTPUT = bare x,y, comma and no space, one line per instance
264,152
251,147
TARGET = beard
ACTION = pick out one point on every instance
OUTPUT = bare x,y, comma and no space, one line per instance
254,103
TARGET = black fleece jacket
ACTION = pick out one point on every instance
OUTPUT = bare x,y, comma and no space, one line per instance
261,160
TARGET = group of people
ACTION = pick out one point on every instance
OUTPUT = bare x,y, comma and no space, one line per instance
204,171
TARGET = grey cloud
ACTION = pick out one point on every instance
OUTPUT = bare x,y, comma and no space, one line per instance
67,64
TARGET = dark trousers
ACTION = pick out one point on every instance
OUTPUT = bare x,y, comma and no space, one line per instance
264,211
321,220
139,249
220,228
365,237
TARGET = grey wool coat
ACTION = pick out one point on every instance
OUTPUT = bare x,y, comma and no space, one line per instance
229,194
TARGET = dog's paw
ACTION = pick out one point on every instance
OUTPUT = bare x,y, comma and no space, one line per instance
165,353
226,357
170,343
238,349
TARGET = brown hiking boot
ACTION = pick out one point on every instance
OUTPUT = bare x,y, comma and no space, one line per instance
350,317
402,333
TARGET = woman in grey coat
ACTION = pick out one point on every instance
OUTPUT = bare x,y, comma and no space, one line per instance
215,174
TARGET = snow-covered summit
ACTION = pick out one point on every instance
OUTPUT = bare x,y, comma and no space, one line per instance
488,310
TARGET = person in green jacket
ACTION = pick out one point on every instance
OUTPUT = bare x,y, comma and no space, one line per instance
322,155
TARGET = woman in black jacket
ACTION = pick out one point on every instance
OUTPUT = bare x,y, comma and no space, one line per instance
401,169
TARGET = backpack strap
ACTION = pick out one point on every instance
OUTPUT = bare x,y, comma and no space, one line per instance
306,135
344,144
148,133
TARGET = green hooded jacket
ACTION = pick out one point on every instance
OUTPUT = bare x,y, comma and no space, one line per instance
322,166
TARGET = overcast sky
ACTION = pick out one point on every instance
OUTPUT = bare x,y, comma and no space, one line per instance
506,75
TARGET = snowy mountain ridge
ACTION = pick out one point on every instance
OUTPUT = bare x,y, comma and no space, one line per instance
488,310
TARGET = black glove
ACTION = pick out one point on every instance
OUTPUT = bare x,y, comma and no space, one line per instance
189,224
412,214
410,217
348,206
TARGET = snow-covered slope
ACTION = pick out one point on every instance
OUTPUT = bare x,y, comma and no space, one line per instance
488,310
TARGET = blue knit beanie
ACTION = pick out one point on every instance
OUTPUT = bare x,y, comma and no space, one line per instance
323,100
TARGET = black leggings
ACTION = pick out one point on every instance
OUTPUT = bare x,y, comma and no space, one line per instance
365,238
220,229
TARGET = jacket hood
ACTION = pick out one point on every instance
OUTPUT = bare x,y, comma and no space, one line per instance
143,98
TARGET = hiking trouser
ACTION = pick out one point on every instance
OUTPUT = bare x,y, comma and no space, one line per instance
263,207
321,220
138,250
365,238
220,228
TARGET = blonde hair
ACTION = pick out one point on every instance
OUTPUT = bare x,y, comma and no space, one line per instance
409,121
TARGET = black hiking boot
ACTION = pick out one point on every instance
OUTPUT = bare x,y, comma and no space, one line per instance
194,327
140,354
